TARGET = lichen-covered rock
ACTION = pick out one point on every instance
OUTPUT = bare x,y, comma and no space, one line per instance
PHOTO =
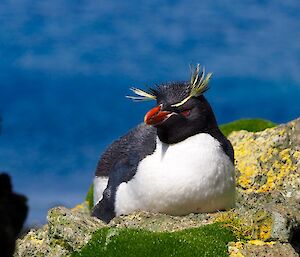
37,243
67,231
268,182
256,248
268,160
266,220
268,165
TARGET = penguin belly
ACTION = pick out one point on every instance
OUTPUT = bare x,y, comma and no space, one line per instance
192,176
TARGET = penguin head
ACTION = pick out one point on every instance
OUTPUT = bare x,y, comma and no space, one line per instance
182,110
176,123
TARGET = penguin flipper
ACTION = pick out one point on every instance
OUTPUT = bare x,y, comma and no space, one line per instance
104,209
119,164
123,171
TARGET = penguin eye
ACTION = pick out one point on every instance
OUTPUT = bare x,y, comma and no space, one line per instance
185,113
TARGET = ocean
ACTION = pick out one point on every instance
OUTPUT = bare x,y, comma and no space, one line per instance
67,65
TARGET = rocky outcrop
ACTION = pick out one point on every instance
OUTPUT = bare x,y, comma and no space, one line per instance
268,160
265,222
268,182
66,231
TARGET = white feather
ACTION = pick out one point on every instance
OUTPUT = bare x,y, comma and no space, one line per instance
194,175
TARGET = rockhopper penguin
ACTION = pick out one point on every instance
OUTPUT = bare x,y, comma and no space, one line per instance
177,163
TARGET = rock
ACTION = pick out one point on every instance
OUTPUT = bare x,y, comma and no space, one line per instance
268,160
67,231
268,167
256,248
158,222
13,212
266,220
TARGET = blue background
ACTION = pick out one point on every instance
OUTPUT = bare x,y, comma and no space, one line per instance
66,65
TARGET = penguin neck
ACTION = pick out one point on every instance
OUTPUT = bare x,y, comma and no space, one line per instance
170,136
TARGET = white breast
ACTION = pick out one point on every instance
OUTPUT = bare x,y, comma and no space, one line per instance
194,175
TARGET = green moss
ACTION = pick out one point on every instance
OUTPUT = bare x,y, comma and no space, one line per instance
209,240
251,125
90,197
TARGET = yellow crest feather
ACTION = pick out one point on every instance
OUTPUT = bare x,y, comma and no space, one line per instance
142,95
199,84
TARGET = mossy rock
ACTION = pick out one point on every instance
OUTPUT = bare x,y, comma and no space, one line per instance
209,240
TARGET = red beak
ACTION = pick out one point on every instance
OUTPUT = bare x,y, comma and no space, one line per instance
156,116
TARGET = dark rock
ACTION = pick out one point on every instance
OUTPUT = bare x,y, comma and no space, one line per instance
13,212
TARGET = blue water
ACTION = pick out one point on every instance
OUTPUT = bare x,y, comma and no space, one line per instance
65,67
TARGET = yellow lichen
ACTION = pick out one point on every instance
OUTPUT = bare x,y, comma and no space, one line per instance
259,242
296,155
265,160
234,249
281,132
252,226
79,207
262,224
265,231
34,239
